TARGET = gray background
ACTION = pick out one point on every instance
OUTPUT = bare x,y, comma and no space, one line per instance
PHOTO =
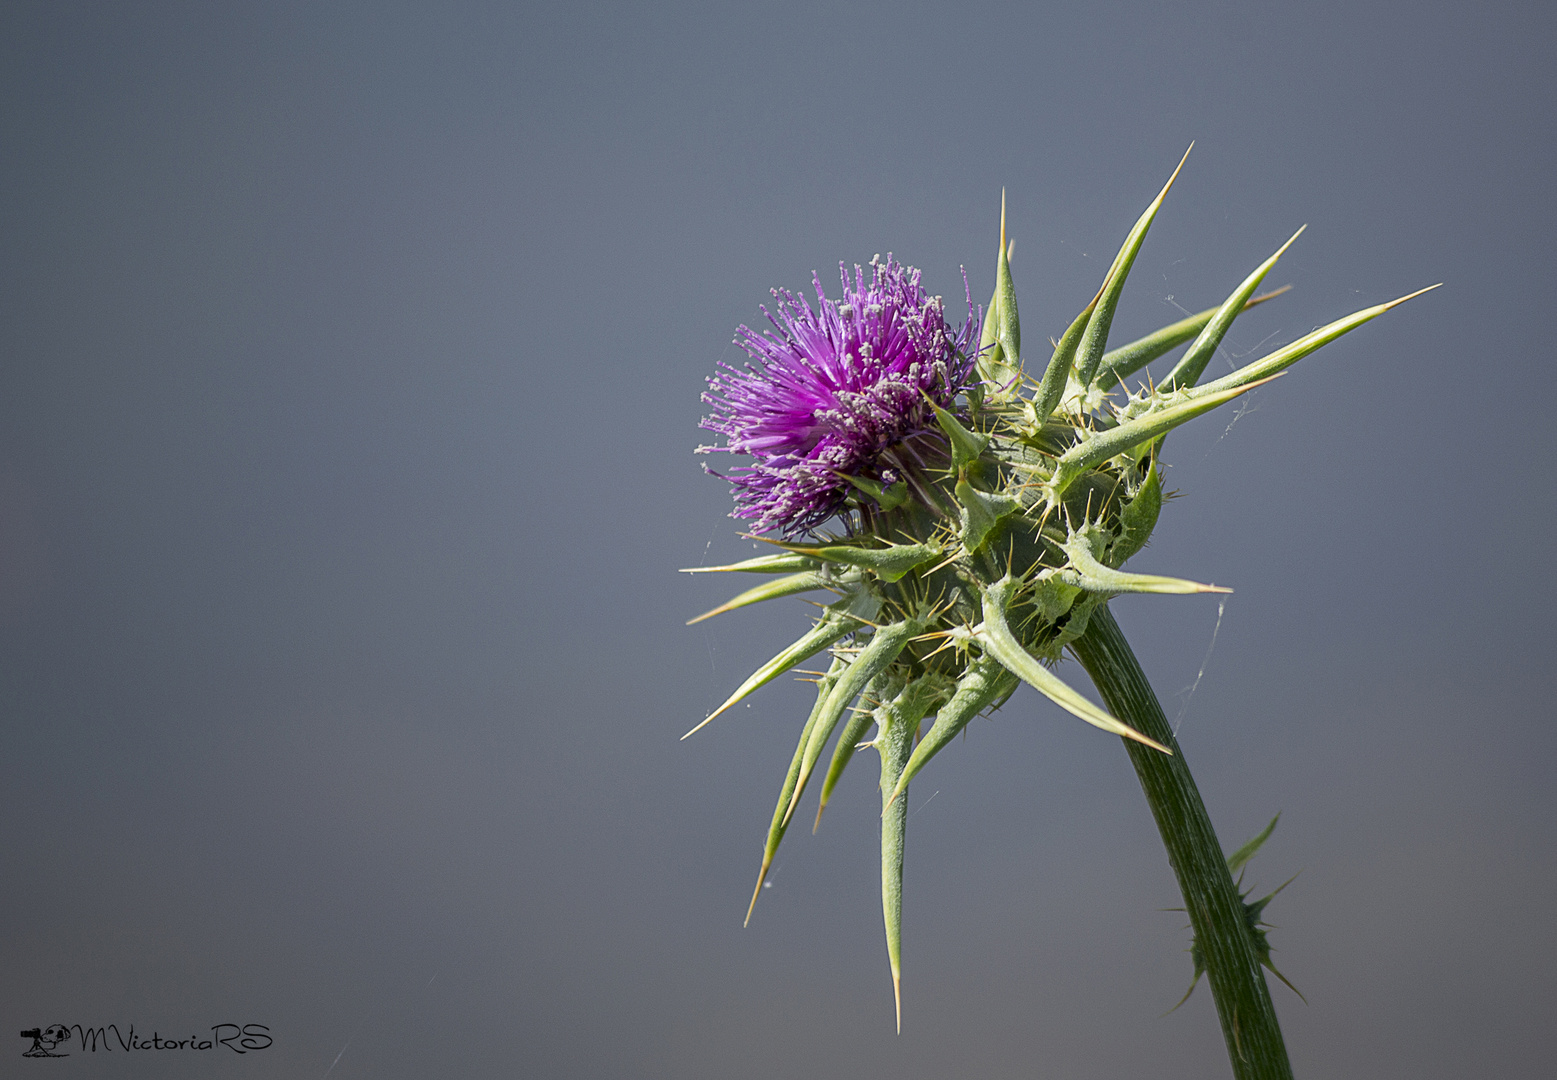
351,361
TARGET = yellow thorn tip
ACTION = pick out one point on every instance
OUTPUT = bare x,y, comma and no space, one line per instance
1283,249
761,874
1165,188
705,723
1409,296
720,610
1253,300
897,999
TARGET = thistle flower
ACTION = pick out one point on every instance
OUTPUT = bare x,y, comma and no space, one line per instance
833,392
986,515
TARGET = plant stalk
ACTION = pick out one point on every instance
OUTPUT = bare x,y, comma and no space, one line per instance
1216,911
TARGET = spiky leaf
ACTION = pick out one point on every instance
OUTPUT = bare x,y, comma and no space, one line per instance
981,512
1283,358
808,581
780,822
1119,364
882,648
1000,342
889,563
841,618
1138,518
782,563
1187,371
1094,341
893,742
966,446
995,636
981,685
1086,572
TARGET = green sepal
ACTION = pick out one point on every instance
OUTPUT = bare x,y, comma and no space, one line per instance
785,563
1000,341
1087,572
1074,626
989,355
1052,387
1283,358
839,619
1181,407
1189,368
888,498
980,513
981,685
893,742
780,822
1138,518
908,700
888,563
998,641
882,648
1158,418
1051,596
808,581
1095,340
1119,364
966,446
843,752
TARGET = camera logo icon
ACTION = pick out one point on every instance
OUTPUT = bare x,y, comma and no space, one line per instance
44,1040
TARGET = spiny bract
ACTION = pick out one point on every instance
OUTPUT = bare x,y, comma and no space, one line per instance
983,514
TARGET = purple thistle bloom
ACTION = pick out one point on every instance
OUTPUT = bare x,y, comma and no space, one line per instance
833,391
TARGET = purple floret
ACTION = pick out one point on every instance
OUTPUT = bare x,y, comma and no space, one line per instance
836,388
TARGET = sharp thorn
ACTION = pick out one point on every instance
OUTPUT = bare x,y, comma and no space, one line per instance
761,874
1410,296
1253,300
704,724
1283,250
897,999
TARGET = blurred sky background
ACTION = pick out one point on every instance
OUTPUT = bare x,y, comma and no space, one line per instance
349,369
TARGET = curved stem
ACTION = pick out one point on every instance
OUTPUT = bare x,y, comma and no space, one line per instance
1216,911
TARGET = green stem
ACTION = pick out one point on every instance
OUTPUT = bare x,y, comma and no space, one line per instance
1215,909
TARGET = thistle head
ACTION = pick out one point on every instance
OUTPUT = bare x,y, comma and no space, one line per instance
982,507
831,390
